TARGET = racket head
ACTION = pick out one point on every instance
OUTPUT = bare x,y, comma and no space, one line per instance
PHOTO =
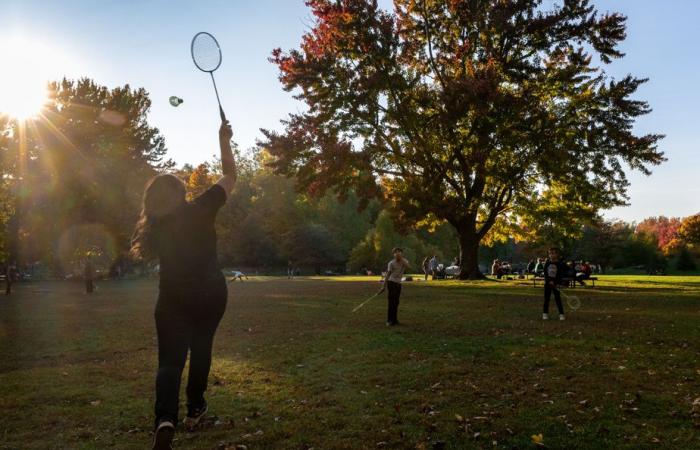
573,302
206,52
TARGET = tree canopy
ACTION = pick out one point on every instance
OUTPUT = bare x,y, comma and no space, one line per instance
468,112
83,162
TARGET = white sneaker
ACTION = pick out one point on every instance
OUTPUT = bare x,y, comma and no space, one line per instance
561,316
545,316
163,436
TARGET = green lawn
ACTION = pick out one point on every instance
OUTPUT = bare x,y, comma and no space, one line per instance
472,366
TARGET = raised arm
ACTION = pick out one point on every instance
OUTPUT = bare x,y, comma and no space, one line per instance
228,164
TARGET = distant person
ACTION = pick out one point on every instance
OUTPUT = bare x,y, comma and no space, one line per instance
530,266
238,275
434,267
392,282
505,268
584,272
553,273
539,266
496,268
192,292
89,276
290,270
426,267
10,276
571,272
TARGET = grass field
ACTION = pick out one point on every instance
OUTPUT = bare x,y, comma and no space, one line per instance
472,366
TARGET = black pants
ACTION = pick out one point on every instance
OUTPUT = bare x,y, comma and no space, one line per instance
394,293
186,319
548,289
89,286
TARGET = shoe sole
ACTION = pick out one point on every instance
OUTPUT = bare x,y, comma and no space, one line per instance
163,439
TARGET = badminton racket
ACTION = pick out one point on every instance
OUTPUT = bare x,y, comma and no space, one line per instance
206,55
571,300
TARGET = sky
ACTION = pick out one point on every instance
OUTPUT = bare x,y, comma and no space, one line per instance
147,44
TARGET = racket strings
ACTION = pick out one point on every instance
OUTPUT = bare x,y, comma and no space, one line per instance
206,52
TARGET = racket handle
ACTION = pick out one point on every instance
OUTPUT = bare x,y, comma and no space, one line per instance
221,113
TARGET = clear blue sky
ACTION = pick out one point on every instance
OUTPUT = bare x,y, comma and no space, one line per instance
146,43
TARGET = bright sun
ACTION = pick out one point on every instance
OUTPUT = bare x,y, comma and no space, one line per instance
27,67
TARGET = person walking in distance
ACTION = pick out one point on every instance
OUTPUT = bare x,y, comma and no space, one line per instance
10,273
426,267
89,276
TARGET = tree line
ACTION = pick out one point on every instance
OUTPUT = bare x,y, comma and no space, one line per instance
449,127
72,184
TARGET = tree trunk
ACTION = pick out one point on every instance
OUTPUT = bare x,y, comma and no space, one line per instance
469,256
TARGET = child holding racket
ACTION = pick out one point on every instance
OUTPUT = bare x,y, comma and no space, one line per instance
392,282
554,270
192,291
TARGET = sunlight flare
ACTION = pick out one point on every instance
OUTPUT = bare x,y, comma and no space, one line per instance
27,69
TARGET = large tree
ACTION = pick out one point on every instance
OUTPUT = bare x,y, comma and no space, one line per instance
462,111
81,164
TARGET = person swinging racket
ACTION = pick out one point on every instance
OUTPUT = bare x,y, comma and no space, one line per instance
392,282
192,291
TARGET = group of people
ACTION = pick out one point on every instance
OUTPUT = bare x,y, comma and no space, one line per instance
580,271
434,268
12,274
500,268
193,291
431,267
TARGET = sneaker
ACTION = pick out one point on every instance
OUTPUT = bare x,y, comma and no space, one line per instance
195,415
561,316
163,436
545,316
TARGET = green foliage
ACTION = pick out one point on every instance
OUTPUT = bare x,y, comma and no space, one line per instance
603,241
374,251
638,249
84,162
6,213
684,261
311,245
468,112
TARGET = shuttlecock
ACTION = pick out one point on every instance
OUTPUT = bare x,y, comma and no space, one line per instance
175,101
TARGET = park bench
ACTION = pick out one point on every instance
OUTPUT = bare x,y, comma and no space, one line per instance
567,281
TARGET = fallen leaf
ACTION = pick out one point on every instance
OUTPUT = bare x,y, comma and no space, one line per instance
538,439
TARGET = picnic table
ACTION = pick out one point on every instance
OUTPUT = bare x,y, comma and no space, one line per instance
566,281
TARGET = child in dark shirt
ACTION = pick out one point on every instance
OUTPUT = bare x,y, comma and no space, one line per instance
554,270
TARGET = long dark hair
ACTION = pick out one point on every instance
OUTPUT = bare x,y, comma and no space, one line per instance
163,194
